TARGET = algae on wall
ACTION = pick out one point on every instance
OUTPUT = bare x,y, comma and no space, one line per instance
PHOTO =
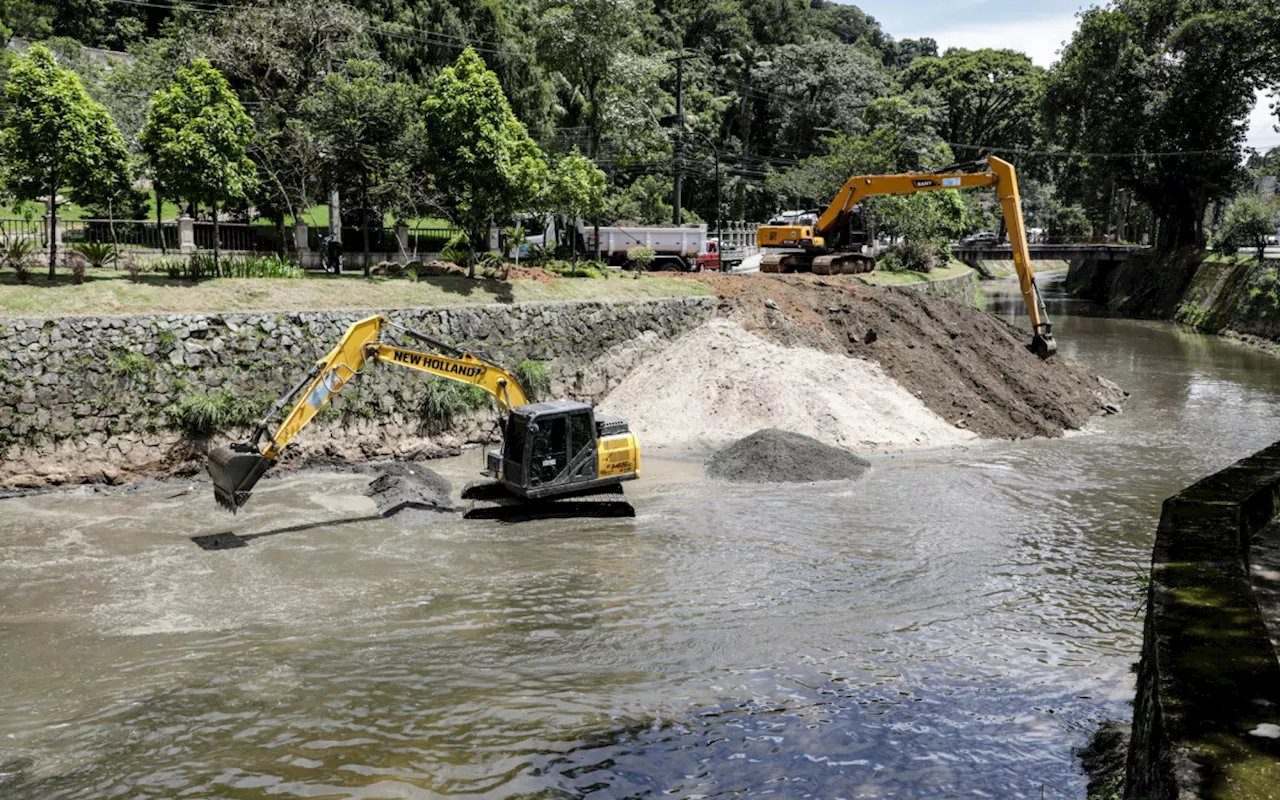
1240,294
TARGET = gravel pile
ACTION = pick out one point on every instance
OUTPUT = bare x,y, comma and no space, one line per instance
777,456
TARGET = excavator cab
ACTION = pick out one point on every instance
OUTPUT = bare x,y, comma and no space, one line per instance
561,446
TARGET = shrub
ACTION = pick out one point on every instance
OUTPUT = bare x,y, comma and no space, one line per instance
199,414
77,263
131,266
457,249
570,271
131,366
445,400
534,378
98,254
16,252
268,266
640,257
1249,221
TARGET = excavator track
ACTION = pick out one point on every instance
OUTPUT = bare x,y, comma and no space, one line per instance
492,500
843,264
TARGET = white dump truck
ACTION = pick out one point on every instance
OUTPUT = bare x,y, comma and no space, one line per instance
674,248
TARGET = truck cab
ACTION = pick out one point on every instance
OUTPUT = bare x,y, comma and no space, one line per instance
709,259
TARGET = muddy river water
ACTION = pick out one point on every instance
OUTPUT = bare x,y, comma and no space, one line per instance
950,626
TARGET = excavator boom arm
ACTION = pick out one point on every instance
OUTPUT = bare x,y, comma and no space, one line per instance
236,468
1004,178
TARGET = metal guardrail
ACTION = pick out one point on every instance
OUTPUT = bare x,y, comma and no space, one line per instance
18,228
128,234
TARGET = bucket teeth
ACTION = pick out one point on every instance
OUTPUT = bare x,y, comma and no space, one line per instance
235,470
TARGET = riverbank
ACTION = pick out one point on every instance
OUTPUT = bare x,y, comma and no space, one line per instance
109,399
1233,296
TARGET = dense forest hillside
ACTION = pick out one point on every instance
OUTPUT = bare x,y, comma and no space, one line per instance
1138,129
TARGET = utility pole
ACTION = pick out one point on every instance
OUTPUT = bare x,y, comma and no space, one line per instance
677,164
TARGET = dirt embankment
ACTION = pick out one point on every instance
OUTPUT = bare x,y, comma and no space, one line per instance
971,369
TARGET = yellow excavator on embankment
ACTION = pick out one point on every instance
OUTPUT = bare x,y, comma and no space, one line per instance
831,243
558,458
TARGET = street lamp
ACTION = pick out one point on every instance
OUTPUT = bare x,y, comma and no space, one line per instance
716,151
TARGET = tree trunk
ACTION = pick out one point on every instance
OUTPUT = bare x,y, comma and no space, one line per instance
364,222
217,243
115,243
164,246
281,245
53,231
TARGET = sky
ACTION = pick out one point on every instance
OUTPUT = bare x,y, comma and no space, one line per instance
1036,27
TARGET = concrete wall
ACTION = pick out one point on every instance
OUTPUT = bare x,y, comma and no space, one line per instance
93,399
1208,699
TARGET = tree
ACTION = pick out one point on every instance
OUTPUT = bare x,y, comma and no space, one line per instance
1249,221
990,98
55,135
275,55
575,191
481,155
195,138
363,123
580,39
816,85
925,222
1175,79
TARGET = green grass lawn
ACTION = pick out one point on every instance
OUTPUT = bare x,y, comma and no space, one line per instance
109,292
315,216
883,278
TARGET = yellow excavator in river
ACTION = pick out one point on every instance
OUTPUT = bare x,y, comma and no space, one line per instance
831,243
558,458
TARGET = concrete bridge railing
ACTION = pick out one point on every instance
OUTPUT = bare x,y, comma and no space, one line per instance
1207,713
973,255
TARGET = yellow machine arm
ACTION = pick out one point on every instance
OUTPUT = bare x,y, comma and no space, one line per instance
359,345
1001,175
236,468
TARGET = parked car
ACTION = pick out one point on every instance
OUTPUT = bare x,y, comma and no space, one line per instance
981,238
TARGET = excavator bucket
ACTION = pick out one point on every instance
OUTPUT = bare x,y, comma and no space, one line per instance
1043,345
235,470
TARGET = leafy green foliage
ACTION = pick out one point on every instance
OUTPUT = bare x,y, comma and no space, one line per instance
444,400
363,123
130,366
925,222
640,257
266,266
1248,223
54,135
534,378
457,249
98,254
990,98
15,253
196,136
1152,76
199,414
481,156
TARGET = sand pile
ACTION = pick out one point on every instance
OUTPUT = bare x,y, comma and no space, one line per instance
776,456
720,383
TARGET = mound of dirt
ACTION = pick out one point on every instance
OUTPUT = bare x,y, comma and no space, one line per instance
971,368
719,383
407,486
777,456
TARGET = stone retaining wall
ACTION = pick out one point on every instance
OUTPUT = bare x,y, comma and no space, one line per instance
1207,713
96,398
963,288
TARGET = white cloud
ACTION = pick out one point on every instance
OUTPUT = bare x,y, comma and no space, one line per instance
1041,39
1262,122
